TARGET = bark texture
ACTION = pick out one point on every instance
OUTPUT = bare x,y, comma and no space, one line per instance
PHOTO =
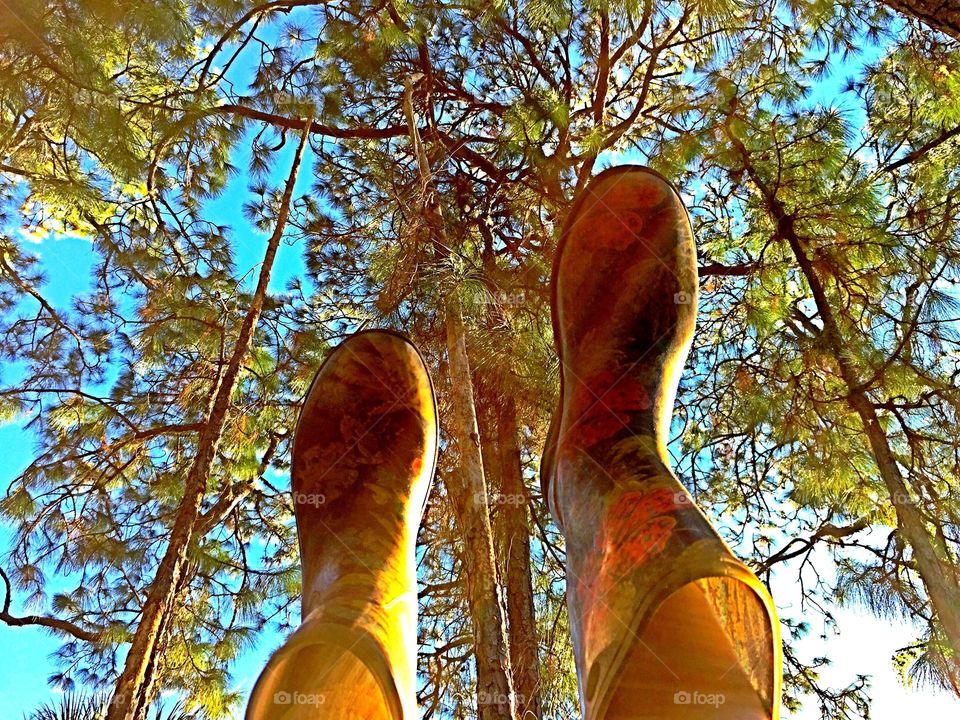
518,580
135,687
942,15
468,493
497,419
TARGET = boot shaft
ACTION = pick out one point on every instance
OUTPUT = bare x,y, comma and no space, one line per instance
659,606
363,458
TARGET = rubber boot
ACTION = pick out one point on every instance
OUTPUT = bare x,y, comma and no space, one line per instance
666,623
363,459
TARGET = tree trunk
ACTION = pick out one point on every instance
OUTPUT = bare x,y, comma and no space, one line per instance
467,485
942,15
468,493
134,688
497,419
933,561
515,543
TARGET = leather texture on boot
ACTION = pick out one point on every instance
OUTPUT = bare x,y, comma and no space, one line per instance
363,460
666,622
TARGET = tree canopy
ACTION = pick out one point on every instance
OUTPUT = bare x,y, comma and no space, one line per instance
417,160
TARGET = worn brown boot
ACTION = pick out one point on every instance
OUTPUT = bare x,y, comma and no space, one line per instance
363,460
666,622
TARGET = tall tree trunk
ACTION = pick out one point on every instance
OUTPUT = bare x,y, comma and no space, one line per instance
939,574
497,419
932,557
942,15
468,493
467,485
134,688
515,542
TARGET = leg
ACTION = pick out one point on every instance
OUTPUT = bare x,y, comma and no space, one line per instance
363,460
660,610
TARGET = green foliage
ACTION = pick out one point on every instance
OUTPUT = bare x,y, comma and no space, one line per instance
75,706
127,125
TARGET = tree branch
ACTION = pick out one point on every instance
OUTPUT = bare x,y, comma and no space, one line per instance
61,626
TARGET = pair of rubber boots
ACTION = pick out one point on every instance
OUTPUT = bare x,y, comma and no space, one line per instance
666,623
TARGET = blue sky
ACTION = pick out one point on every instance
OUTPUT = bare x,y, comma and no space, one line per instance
864,644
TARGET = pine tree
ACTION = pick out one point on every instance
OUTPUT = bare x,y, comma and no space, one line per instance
445,145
